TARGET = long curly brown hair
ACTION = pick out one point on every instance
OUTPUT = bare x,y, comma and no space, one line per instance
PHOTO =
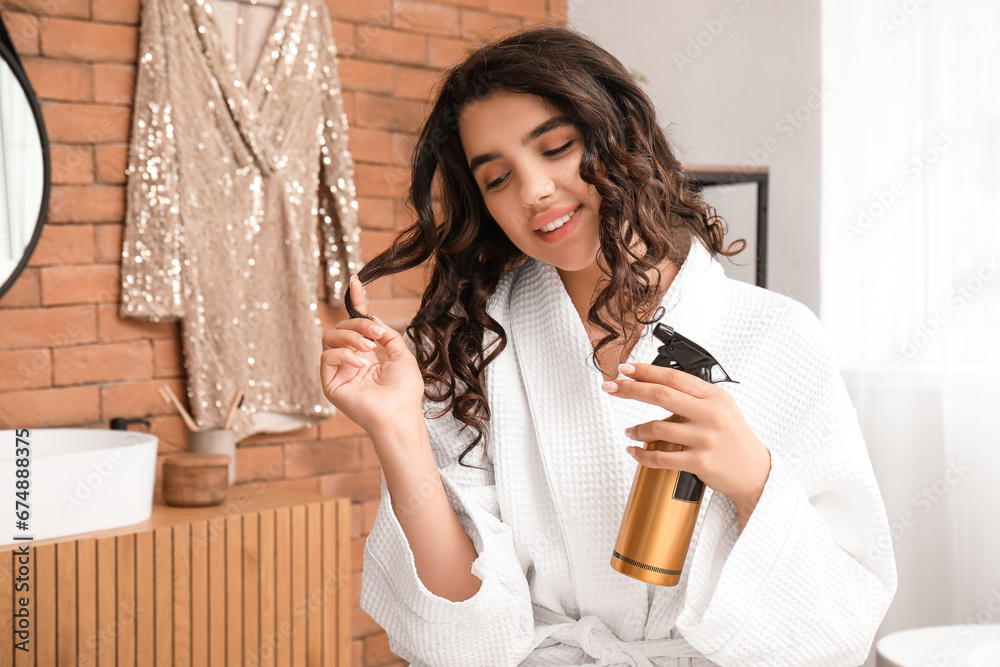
648,211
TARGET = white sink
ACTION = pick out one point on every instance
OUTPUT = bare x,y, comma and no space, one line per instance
985,656
969,645
79,480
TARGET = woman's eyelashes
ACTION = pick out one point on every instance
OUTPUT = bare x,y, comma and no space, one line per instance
555,152
559,151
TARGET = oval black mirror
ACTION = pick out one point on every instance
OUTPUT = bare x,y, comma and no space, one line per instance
24,165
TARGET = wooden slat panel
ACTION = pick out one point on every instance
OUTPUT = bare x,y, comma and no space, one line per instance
337,582
43,626
145,599
163,585
125,548
268,636
330,584
199,594
283,585
314,584
234,592
217,592
86,601
267,587
126,603
251,590
344,581
107,594
66,602
182,595
298,586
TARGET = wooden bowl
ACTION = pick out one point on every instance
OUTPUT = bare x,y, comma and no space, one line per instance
193,480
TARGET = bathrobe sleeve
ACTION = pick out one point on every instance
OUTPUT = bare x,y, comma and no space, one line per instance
153,236
494,627
811,576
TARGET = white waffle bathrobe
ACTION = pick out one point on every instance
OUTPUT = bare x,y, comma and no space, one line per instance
807,582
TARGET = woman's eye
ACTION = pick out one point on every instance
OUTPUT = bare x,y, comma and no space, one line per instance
496,182
560,150
555,152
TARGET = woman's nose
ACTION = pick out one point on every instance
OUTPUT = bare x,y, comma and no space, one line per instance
536,186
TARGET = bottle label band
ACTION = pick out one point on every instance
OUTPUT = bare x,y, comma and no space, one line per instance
688,488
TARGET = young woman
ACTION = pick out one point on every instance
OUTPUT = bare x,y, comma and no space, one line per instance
564,232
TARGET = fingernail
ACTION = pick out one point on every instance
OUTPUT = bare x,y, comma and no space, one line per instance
610,387
631,451
361,359
378,331
628,431
370,344
626,369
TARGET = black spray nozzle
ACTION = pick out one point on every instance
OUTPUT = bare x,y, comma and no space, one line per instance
686,355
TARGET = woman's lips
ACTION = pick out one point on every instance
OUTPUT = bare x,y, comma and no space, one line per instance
557,235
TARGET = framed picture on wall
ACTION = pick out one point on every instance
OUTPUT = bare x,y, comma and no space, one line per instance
739,196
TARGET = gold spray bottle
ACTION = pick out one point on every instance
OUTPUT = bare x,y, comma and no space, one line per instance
663,505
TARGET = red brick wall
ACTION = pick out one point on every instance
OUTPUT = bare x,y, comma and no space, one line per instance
68,360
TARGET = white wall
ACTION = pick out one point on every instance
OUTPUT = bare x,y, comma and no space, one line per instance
735,82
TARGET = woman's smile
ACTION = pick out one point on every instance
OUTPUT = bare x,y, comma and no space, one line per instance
562,227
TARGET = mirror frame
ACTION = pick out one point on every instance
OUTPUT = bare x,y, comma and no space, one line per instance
9,56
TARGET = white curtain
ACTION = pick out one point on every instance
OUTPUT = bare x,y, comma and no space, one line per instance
910,268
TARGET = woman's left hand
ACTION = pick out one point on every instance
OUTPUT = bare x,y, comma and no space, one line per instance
719,446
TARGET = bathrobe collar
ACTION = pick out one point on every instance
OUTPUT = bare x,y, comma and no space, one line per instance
692,305
570,411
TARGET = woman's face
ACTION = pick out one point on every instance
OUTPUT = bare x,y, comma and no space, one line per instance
525,158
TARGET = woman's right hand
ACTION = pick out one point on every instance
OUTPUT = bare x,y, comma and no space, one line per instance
370,393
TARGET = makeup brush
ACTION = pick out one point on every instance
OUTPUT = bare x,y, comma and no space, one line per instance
169,396
237,400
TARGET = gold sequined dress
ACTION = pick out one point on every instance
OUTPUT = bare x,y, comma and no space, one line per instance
229,186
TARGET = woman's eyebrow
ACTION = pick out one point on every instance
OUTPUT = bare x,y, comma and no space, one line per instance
551,124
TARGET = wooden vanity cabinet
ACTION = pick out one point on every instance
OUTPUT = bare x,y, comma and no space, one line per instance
262,579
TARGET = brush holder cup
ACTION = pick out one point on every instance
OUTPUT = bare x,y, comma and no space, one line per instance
215,441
